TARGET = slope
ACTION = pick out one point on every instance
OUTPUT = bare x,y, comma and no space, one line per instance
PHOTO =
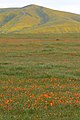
38,19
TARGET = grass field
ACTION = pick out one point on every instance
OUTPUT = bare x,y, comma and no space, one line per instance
40,79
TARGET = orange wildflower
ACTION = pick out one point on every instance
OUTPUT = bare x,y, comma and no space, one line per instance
11,100
51,103
76,101
45,95
7,101
0,104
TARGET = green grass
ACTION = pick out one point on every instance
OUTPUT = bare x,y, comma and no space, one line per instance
56,36
40,78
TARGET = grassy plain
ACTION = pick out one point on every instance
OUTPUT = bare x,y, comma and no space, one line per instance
40,79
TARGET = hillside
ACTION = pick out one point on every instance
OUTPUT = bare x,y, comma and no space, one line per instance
37,19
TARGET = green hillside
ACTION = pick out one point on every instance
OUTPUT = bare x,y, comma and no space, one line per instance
37,19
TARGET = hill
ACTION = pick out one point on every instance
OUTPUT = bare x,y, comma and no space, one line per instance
38,19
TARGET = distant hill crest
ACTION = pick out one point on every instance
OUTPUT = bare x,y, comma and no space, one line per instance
37,19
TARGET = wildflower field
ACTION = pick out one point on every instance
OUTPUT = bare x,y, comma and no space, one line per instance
39,79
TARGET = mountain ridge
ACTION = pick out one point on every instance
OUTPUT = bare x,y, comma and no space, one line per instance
38,6
38,19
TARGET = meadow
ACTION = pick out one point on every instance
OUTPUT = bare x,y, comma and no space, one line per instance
40,78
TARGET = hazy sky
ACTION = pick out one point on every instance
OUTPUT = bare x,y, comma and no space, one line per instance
63,5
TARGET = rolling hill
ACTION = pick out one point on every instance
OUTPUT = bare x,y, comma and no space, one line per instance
37,19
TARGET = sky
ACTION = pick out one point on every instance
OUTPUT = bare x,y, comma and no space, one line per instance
63,5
